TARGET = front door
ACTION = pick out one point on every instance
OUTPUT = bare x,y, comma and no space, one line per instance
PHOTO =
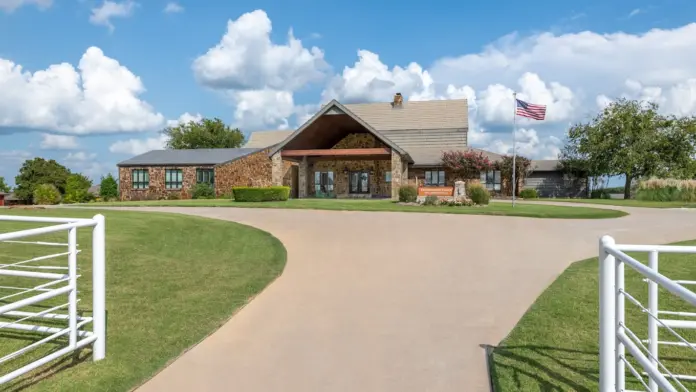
359,182
324,184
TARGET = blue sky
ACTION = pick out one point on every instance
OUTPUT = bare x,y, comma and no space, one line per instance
155,66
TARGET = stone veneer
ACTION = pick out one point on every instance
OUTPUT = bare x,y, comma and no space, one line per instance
252,170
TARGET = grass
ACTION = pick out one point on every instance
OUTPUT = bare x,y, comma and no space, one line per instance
555,345
171,281
625,203
505,209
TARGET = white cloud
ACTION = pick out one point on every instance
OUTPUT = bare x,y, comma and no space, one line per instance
173,8
262,108
15,155
58,142
246,58
634,12
185,119
528,144
11,5
103,14
100,96
139,146
80,156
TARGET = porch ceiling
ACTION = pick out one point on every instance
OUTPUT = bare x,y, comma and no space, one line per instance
325,132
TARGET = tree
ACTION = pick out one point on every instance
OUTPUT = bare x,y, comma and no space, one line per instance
466,164
632,139
108,190
203,134
77,189
4,188
37,171
522,166
46,194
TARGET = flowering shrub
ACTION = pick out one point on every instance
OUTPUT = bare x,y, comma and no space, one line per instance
466,164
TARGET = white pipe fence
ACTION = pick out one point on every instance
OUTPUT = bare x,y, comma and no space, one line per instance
59,284
616,338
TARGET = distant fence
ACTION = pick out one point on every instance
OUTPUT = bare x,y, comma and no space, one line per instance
616,339
20,278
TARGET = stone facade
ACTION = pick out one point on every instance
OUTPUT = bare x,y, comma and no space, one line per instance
251,170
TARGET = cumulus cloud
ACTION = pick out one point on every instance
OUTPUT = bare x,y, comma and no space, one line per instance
263,108
173,8
11,5
139,146
58,142
185,119
80,156
100,96
246,58
108,10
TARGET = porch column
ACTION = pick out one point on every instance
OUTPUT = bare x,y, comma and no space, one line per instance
277,169
302,175
398,168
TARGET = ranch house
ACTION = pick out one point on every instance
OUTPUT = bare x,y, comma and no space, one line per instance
343,151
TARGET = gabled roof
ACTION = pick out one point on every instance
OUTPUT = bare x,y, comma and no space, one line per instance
201,156
334,104
435,114
432,156
265,139
545,165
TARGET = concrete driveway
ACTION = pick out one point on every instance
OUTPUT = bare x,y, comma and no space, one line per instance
392,301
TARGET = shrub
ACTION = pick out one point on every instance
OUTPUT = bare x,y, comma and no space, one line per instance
174,196
478,194
457,203
666,190
529,193
108,190
408,194
252,194
203,191
431,200
600,194
46,194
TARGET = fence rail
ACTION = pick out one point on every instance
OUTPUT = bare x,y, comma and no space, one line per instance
616,339
54,284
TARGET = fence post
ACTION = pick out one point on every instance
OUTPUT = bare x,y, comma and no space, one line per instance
99,287
619,326
652,324
72,296
607,317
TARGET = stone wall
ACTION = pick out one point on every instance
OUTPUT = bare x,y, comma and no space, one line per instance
156,190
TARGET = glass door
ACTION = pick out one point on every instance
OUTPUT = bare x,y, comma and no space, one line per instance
324,184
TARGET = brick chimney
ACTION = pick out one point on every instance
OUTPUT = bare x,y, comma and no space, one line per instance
398,101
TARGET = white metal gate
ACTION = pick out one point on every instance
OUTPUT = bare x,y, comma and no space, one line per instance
52,285
616,338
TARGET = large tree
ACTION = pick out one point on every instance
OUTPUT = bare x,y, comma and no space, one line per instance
205,133
37,171
4,188
632,139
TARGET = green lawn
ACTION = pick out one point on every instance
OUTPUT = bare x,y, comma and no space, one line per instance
171,281
555,345
524,210
625,203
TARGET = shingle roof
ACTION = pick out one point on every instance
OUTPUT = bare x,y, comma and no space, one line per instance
265,139
432,156
436,114
545,165
202,156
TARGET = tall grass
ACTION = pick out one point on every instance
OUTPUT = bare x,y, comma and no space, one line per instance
656,189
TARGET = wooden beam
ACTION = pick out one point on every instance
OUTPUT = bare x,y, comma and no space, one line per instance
334,152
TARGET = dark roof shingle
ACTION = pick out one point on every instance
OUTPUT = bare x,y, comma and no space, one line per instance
202,156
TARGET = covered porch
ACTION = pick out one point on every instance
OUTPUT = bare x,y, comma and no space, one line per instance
337,155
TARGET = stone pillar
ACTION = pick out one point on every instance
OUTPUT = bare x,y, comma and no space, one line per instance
397,168
277,169
459,190
302,177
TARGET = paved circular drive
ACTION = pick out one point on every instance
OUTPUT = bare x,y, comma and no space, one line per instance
373,301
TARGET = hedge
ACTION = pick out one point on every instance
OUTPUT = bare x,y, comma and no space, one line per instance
271,193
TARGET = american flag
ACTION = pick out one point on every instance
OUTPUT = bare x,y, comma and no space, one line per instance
530,110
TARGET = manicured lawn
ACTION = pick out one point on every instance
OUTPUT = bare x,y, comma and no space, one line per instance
555,345
625,203
524,210
171,281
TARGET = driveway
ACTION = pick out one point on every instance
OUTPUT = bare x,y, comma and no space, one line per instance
388,301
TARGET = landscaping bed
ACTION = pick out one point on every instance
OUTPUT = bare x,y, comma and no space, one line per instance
171,281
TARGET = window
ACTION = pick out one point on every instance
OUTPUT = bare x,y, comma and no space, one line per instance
173,179
434,178
205,176
323,183
140,178
359,182
491,179
387,176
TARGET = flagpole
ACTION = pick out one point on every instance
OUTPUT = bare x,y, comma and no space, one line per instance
514,147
